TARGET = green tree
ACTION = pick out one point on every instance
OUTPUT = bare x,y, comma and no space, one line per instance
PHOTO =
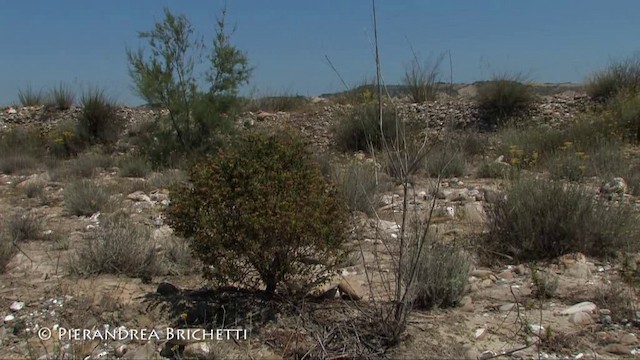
166,76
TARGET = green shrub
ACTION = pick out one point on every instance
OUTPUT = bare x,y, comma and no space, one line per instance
85,198
503,97
544,219
526,147
620,76
62,97
166,179
359,129
118,246
167,77
442,276
99,121
24,226
29,97
362,94
134,166
568,165
422,80
22,141
623,115
259,212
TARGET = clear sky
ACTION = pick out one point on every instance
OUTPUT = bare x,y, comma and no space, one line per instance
82,42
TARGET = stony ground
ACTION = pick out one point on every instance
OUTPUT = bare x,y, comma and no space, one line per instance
586,317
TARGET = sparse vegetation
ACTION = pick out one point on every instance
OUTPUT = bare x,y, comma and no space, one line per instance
284,102
503,97
85,198
17,163
86,165
99,121
266,194
619,76
118,246
24,225
34,189
30,97
62,97
358,185
542,220
492,170
445,161
422,79
134,166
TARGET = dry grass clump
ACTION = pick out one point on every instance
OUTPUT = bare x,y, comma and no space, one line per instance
85,198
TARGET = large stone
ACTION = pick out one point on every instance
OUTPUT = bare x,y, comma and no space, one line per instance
581,318
148,351
586,306
199,350
617,349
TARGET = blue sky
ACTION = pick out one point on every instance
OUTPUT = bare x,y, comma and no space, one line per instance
82,42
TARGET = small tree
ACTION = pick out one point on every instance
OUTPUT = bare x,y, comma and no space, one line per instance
257,214
167,77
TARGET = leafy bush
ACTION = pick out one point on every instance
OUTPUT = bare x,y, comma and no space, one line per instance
118,246
62,97
29,97
620,76
167,78
504,96
134,166
85,197
422,80
259,212
442,276
359,129
99,121
542,220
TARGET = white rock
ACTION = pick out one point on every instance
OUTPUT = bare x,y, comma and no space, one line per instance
12,111
9,318
537,329
480,333
585,306
17,306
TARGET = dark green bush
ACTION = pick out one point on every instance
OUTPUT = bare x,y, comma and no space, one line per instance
99,121
543,219
503,97
619,76
259,212
359,129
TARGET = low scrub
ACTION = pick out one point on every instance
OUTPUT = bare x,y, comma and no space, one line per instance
623,116
493,170
134,166
14,163
30,97
85,198
7,251
98,121
445,161
166,179
118,246
88,164
24,226
545,219
619,76
359,129
63,140
258,212
503,97
422,80
442,276
62,97
358,185
285,102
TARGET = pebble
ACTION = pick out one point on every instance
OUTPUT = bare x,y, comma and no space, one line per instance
16,306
